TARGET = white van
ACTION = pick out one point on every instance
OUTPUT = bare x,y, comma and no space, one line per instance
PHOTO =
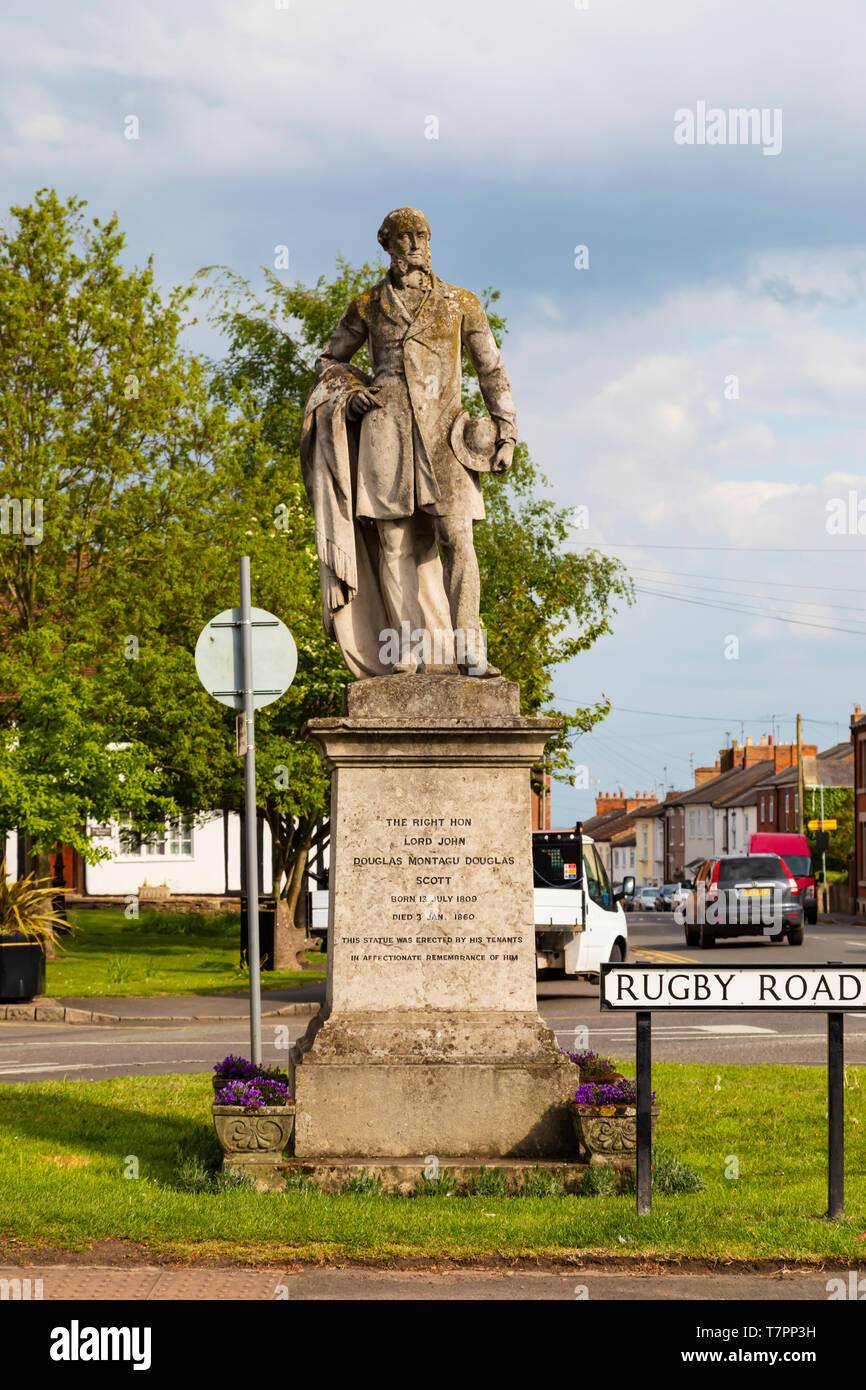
579,918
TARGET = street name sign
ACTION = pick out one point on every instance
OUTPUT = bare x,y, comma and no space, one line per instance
822,987
834,989
822,825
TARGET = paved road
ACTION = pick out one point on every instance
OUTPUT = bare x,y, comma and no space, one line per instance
151,1283
42,1051
570,1006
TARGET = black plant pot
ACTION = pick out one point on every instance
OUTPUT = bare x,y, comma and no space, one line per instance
22,967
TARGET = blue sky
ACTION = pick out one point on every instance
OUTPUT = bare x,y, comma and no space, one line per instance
303,125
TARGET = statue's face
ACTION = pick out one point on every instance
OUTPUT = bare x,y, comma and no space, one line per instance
410,247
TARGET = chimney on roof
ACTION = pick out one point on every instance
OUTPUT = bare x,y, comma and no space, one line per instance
704,774
763,740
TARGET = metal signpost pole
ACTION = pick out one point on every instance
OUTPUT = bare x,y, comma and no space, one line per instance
835,1113
250,837
835,1116
242,673
643,1052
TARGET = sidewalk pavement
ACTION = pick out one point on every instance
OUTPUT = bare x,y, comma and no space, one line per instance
166,1008
149,1283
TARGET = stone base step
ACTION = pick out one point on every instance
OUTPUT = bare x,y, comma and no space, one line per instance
400,1175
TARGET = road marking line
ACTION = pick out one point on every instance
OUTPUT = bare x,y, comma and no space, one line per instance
743,1028
662,956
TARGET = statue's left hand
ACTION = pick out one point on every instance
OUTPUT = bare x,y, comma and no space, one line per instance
503,457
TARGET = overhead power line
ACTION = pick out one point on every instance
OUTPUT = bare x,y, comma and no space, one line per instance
739,549
740,579
752,612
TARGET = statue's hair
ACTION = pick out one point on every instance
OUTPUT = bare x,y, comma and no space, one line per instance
400,220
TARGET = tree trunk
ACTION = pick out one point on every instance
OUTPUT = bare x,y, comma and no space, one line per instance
290,845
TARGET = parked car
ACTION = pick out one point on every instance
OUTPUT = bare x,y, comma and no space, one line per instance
743,895
681,894
664,899
645,900
794,849
579,918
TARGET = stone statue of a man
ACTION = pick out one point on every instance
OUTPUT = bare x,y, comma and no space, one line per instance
391,464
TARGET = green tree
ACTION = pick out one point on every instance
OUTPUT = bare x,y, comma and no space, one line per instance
104,427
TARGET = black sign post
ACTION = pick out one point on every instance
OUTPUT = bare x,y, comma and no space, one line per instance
835,1115
643,1054
834,989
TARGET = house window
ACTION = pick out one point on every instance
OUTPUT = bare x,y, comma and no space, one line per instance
772,804
691,823
174,842
644,842
733,830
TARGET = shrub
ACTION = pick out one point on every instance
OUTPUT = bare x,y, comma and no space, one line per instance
299,1182
671,1175
442,1185
174,923
488,1182
197,1161
233,1180
543,1182
362,1184
599,1181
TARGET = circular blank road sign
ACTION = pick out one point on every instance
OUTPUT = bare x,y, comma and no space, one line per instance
219,664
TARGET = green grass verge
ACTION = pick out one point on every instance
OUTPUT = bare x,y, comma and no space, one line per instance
64,1148
109,955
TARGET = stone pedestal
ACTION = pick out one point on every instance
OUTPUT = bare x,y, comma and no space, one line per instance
429,1041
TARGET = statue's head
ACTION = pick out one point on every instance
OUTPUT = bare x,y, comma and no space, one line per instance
405,235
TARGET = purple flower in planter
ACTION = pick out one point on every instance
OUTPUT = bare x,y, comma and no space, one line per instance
592,1062
254,1094
622,1092
235,1068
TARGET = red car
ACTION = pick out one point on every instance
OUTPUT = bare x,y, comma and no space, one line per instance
794,849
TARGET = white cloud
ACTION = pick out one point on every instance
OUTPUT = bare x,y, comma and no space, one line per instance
544,90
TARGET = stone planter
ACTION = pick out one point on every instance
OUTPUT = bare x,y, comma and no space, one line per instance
608,1131
254,1140
257,1133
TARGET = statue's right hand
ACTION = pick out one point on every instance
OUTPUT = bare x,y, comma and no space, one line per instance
359,403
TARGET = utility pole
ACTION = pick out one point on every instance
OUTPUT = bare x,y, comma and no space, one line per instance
801,785
823,852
